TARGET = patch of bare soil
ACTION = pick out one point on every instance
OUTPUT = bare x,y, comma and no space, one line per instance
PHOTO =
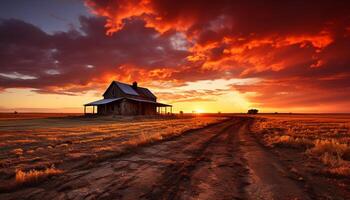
309,172
221,161
268,178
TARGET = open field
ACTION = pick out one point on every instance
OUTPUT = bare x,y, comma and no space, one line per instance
315,147
67,143
13,116
236,157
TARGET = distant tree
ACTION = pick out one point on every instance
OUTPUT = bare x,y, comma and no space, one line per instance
219,112
181,112
15,112
253,111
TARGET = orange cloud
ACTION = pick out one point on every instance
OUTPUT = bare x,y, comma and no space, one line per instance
165,44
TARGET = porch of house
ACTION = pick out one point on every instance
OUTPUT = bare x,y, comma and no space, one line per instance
161,109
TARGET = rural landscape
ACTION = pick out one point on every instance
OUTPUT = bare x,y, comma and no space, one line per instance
206,156
174,100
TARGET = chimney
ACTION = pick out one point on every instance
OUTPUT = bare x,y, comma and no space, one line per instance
134,85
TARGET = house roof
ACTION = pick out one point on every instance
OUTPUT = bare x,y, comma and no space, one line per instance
145,92
152,102
128,89
101,102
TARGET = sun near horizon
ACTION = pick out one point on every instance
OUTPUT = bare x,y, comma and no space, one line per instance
65,54
174,99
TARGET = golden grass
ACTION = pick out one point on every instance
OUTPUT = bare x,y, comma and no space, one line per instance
321,137
288,141
145,139
165,131
340,171
18,116
91,139
331,159
34,176
331,146
18,151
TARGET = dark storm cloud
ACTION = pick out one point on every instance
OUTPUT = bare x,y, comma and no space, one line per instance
69,62
299,49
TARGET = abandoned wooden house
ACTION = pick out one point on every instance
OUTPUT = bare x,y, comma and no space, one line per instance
125,99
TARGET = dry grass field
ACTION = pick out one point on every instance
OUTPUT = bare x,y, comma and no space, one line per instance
315,147
13,116
34,149
282,156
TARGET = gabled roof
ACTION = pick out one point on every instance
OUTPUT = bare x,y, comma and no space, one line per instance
128,89
145,92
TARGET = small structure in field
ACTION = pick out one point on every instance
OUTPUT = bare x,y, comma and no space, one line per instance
125,99
253,111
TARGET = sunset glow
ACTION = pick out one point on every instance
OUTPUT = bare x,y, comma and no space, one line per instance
175,99
220,56
199,110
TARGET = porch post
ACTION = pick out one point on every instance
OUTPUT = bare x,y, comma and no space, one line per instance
84,110
93,109
171,109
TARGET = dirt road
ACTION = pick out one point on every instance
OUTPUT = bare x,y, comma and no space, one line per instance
221,161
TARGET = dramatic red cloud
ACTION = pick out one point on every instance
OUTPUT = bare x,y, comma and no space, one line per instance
299,49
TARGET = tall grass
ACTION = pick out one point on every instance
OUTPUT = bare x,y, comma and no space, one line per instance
331,146
288,141
329,142
34,176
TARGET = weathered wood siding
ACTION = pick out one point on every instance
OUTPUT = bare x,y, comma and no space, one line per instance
111,108
125,106
137,108
129,108
149,109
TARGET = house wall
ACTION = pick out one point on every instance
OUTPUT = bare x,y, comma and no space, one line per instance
137,108
111,108
127,107
149,109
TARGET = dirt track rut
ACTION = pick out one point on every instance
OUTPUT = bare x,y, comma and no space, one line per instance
217,162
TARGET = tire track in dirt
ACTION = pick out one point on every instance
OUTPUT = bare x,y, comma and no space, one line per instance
268,179
211,172
216,162
126,177
174,177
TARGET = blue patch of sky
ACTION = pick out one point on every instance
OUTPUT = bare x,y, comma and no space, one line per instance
49,15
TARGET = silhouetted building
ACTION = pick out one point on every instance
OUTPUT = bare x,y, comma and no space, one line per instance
253,111
125,99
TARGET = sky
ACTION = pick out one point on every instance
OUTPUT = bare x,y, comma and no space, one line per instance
208,56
